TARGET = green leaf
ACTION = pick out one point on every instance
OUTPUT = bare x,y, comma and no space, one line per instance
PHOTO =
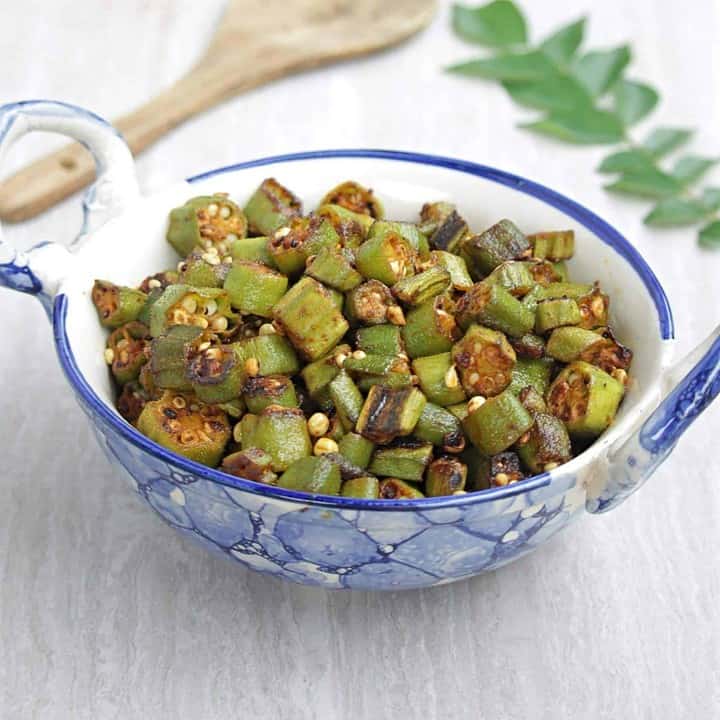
584,126
519,66
710,199
663,140
709,236
627,161
634,100
556,91
674,212
599,70
651,183
497,24
690,168
562,45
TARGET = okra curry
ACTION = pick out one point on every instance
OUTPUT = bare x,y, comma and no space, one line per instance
341,353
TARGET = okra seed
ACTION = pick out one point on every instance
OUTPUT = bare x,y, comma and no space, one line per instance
359,355
211,259
154,283
237,433
451,378
179,402
395,266
189,303
414,379
620,375
282,232
212,209
252,366
109,356
266,329
340,359
210,308
221,248
475,402
181,266
203,346
502,479
227,260
551,466
201,322
318,424
231,237
325,445
219,323
460,492
598,306
225,212
194,407
395,315
474,377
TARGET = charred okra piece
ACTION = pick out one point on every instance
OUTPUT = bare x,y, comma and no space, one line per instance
544,272
389,413
209,222
312,475
380,340
553,246
116,305
459,276
440,427
262,390
181,423
593,309
585,398
573,343
317,375
430,328
546,445
558,312
443,226
372,303
351,227
167,357
270,207
203,269
485,360
406,461
127,351
356,449
365,487
282,432
131,401
396,489
354,197
530,372
291,245
494,307
159,281
253,288
252,464
445,476
254,249
424,286
333,267
498,244
267,355
205,308
392,379
502,469
439,379
214,371
514,276
529,346
386,255
346,398
310,318
498,423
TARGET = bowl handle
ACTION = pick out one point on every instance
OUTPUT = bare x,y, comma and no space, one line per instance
687,388
40,271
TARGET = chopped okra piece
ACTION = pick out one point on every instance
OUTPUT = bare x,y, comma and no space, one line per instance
554,313
496,424
531,372
346,398
544,272
406,461
209,222
417,239
430,328
396,489
386,255
262,390
366,487
205,308
546,445
445,476
380,340
567,344
443,225
529,346
369,303
459,276
585,398
126,351
317,375
593,309
312,475
424,286
391,379
215,372
485,360
389,413
440,427
514,276
254,249
116,305
563,290
608,354
335,430
253,288
131,401
356,449
203,269
499,243
351,227
553,246
439,379
360,363
532,400
267,355
159,281
270,207
291,245
167,357
504,469
181,423
252,464
334,267
493,306
354,197
310,318
282,432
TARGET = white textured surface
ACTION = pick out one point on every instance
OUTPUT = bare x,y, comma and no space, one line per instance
107,613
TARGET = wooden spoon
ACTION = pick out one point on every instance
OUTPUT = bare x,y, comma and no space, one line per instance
257,41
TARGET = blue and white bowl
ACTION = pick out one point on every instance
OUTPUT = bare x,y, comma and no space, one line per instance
342,542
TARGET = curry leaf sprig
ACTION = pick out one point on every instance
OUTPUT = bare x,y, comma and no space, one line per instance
586,99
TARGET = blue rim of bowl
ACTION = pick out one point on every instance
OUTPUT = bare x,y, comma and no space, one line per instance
591,221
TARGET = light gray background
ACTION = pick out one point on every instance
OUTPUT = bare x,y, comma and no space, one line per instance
107,613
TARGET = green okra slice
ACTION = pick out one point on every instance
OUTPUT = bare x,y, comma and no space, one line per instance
499,243
417,239
459,276
354,197
389,413
317,375
334,267
131,401
203,269
424,286
291,245
593,309
567,344
116,305
181,423
391,379
356,449
585,398
127,351
386,255
215,372
263,390
546,445
554,313
514,276
531,372
280,431
554,246
544,273
313,475
383,339
253,288
254,249
310,318
440,427
375,365
485,360
498,423
206,308
445,476
439,379
528,346
406,461
366,487
267,355
497,471
251,464
532,400
210,222
351,227
346,398
443,225
493,306
271,206
564,290
167,357
430,328
396,489
608,354
370,303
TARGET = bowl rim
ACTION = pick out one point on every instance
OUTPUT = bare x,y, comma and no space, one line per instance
579,213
